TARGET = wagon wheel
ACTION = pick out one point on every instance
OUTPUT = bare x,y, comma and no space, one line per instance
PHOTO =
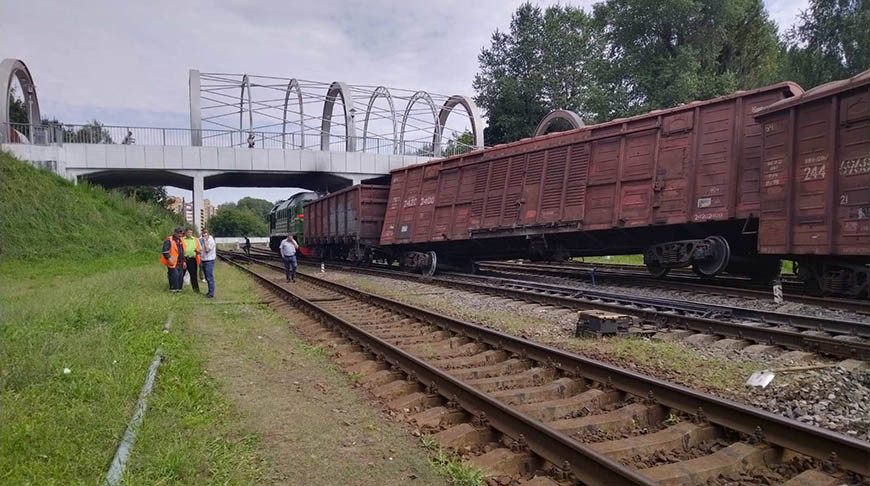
715,263
657,270
433,260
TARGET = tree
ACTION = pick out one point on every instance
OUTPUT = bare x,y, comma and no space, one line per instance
236,222
150,194
831,41
547,60
18,112
667,52
459,144
260,207
91,132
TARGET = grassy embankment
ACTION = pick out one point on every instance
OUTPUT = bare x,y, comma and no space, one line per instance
82,290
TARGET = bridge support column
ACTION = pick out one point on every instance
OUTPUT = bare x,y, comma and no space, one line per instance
198,196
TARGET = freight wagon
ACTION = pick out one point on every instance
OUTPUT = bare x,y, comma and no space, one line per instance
679,185
815,191
347,224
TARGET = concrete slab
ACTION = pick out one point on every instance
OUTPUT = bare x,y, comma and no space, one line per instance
396,388
504,462
701,339
636,414
679,436
565,407
728,343
853,365
813,477
464,435
734,458
561,388
415,402
761,350
437,417
797,357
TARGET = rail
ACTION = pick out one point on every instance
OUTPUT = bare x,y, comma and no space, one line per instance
95,133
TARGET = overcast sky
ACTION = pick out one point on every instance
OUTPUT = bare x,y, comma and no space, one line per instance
127,63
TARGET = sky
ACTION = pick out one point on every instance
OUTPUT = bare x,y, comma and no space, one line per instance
127,63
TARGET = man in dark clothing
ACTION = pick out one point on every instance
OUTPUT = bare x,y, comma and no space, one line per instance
247,246
172,258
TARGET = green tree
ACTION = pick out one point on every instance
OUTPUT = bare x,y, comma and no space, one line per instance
91,132
548,59
831,41
17,108
260,207
236,222
150,194
666,52
459,144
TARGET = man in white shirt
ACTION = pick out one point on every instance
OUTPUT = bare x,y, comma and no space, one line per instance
288,255
209,253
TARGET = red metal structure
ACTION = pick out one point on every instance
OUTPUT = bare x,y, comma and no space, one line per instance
815,195
735,184
346,224
680,185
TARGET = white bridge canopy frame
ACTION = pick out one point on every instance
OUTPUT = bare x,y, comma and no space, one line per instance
272,118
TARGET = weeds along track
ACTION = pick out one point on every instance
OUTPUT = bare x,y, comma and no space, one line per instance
832,337
634,276
527,412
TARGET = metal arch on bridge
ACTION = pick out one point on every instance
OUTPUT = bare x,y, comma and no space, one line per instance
338,88
569,116
293,84
473,114
380,91
16,69
436,135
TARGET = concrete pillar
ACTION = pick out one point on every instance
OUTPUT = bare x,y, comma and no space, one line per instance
198,196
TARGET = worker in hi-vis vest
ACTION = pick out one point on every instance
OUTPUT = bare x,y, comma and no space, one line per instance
172,257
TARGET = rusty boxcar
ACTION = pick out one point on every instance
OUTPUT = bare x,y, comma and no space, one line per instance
681,185
346,224
815,191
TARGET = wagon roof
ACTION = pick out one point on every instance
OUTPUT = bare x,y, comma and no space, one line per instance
820,91
791,86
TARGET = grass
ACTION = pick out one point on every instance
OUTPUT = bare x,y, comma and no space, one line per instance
46,217
58,428
456,472
613,259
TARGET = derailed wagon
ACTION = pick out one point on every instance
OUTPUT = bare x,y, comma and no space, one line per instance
694,185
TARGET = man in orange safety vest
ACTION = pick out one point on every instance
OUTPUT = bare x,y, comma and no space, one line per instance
172,257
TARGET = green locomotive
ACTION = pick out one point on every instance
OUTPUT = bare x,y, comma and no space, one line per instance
286,218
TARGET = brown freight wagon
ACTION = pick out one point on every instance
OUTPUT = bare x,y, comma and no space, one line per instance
815,192
346,224
681,185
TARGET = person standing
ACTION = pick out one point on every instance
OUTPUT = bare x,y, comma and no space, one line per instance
288,255
192,252
172,257
247,246
209,253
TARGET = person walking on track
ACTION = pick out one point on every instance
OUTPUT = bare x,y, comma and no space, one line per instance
192,252
247,246
172,257
288,255
209,253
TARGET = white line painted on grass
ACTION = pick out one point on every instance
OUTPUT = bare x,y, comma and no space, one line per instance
119,462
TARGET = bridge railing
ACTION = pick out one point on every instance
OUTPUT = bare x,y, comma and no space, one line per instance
56,133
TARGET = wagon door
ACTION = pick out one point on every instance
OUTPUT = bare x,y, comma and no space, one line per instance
514,191
810,179
532,188
636,178
448,184
853,176
671,185
492,210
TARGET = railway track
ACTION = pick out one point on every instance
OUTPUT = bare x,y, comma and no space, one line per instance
526,411
839,338
635,275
